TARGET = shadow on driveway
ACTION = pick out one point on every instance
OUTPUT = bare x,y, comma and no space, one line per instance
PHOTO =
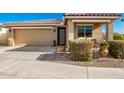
54,57
32,49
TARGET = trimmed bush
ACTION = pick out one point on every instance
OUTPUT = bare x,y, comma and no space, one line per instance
116,49
117,36
103,49
104,45
81,50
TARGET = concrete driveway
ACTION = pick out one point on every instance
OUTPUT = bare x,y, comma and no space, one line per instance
21,62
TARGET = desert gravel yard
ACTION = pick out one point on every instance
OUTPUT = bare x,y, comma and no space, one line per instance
21,63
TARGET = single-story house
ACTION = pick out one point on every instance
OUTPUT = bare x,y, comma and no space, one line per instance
72,26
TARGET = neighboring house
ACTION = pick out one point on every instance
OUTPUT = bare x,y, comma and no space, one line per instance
72,26
3,36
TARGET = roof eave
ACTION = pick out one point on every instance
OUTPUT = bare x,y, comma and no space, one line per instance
92,17
26,25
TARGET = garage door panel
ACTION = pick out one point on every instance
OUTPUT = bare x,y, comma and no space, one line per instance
34,37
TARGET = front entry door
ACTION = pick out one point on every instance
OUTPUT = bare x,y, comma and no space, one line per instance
61,36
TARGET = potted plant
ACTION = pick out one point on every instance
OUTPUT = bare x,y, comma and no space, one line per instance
104,49
62,47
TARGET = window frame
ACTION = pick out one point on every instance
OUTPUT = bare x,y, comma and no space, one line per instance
85,34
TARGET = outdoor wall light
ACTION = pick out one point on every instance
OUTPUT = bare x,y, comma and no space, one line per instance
9,30
54,30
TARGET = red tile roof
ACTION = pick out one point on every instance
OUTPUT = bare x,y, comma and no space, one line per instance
55,21
34,22
92,14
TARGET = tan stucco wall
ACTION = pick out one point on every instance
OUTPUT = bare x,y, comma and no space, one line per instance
109,32
3,37
97,32
72,31
11,38
69,31
35,36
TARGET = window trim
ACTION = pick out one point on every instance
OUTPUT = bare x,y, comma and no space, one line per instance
85,31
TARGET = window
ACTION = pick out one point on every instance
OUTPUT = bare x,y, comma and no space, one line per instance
81,32
85,31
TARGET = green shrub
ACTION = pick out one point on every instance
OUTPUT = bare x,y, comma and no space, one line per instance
81,50
116,49
117,36
104,45
103,49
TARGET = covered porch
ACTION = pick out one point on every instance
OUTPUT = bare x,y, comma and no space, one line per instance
91,30
89,26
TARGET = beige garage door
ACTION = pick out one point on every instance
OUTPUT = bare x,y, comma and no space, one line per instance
35,37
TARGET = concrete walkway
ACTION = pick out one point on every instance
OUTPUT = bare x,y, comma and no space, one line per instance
22,63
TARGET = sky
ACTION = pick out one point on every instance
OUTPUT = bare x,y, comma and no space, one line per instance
11,17
118,25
